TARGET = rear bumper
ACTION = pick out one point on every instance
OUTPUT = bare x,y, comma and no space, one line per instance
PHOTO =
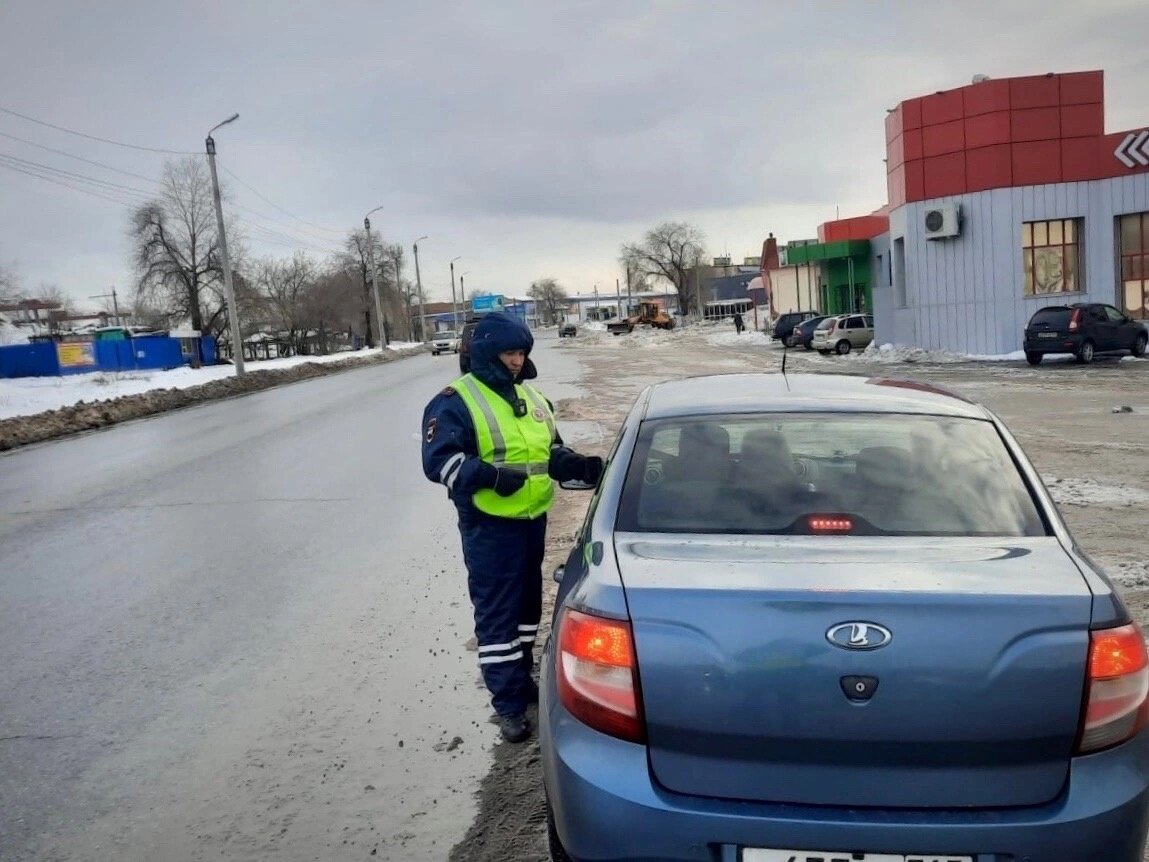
607,808
1070,344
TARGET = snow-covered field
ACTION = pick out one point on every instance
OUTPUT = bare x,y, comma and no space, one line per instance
26,396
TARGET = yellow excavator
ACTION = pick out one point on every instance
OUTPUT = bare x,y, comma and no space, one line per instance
649,314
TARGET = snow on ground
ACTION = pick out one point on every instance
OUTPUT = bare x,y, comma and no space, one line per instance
891,354
1087,492
728,336
10,334
26,396
1129,574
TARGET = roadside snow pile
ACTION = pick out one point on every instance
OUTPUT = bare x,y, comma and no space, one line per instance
730,338
1086,492
594,326
10,334
888,354
88,401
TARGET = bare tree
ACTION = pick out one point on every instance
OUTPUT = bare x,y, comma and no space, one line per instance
9,283
175,249
396,291
667,253
332,304
355,259
285,285
550,298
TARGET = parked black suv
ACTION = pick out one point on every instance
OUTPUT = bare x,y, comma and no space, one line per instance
1083,329
785,324
465,346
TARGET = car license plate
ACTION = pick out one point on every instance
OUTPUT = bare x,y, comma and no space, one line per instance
755,854
1047,335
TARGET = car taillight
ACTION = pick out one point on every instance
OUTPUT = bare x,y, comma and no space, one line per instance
1075,320
830,524
598,675
1118,685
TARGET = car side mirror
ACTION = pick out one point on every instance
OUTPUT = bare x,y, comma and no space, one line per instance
576,485
559,572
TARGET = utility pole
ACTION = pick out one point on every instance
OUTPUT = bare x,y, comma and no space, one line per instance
374,282
454,300
422,301
115,303
629,297
228,287
618,299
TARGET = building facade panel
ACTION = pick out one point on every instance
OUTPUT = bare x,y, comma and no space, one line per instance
969,294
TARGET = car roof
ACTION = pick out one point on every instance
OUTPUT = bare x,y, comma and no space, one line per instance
804,393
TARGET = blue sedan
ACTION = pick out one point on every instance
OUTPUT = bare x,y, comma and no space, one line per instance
836,618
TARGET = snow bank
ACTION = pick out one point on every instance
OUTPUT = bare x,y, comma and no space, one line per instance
10,334
26,396
889,354
730,338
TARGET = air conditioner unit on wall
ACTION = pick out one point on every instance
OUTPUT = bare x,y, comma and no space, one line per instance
943,221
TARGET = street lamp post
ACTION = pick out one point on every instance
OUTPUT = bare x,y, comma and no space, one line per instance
419,286
228,287
374,282
454,299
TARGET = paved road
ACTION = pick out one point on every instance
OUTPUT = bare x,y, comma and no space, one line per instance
238,630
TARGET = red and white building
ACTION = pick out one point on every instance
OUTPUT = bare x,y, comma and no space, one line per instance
1004,196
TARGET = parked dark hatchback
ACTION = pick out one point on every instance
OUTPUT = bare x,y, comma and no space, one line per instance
1083,329
786,323
465,346
803,333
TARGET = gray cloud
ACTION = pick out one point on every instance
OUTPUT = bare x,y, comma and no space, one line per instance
530,138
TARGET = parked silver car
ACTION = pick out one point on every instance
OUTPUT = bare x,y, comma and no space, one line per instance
844,333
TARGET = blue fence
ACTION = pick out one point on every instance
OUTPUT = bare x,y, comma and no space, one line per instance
148,353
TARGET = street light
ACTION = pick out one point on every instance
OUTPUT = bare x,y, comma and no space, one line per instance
422,301
374,283
454,300
228,288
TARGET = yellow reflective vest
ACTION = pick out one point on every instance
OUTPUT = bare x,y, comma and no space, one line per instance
506,440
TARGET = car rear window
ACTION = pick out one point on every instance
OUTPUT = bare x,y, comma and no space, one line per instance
1052,316
827,323
884,474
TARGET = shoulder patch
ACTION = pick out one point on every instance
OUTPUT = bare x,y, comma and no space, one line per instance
450,390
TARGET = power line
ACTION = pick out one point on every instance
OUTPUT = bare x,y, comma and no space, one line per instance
60,182
279,208
79,158
70,175
95,137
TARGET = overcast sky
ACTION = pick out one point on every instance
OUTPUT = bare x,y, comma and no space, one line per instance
531,138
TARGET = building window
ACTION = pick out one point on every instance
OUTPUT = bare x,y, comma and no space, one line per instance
898,272
1051,256
1133,231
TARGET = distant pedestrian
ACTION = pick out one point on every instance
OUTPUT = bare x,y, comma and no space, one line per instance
738,324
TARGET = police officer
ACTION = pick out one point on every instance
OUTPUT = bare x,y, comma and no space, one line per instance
491,439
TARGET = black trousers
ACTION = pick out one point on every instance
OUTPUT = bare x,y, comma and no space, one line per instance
504,558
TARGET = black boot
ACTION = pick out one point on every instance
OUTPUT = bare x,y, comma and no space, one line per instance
514,727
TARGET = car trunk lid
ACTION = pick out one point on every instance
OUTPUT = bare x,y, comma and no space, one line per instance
975,699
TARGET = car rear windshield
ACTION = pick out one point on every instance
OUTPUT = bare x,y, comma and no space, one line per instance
827,323
1052,317
861,474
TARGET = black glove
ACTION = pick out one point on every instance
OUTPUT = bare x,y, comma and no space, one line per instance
592,469
508,481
